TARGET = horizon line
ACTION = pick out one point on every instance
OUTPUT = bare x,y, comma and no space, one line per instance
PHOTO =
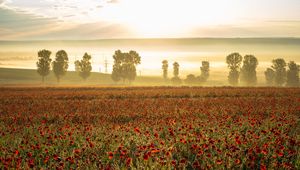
153,38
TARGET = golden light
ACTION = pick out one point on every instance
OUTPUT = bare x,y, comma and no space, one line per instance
167,18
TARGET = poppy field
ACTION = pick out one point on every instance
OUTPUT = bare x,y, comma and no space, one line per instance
149,128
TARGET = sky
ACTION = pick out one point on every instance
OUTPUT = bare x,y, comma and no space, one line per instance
104,19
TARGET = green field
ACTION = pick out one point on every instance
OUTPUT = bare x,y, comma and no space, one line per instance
11,76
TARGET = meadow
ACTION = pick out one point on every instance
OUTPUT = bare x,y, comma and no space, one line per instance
149,128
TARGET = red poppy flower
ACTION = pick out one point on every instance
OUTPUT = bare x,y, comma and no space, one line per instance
219,161
137,130
237,161
146,157
128,161
110,155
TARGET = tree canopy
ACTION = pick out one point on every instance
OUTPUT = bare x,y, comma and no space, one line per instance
165,66
125,65
60,64
293,74
43,63
270,75
248,70
84,66
279,67
176,80
204,71
234,63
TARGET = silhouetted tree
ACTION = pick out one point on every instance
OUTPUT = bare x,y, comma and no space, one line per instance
248,70
204,71
60,65
165,66
234,62
43,64
279,67
176,80
175,69
191,79
125,65
270,76
293,74
84,67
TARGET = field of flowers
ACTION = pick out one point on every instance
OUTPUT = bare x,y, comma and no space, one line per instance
149,128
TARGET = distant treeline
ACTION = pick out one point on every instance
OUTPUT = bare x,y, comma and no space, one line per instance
242,70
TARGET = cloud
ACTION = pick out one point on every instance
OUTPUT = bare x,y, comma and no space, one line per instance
15,24
112,1
274,28
99,30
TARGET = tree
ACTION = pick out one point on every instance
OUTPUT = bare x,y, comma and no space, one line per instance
60,65
293,74
234,62
204,71
84,66
191,79
165,66
270,76
176,80
175,69
125,65
248,70
280,71
43,64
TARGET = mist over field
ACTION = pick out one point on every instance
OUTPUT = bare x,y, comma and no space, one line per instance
188,52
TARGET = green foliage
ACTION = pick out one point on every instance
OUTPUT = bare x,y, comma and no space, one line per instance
175,69
270,76
165,66
293,74
204,71
125,65
60,65
248,70
84,66
43,64
176,80
234,62
279,67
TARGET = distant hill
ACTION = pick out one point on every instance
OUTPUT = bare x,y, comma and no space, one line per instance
10,76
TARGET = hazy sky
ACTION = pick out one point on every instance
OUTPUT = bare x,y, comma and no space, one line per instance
93,19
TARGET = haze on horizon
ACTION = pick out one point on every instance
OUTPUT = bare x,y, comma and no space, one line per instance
104,19
27,20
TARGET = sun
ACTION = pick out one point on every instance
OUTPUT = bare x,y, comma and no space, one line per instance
167,18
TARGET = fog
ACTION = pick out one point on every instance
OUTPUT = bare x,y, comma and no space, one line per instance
189,53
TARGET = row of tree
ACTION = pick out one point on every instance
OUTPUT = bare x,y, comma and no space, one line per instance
241,69
61,64
246,74
191,79
277,75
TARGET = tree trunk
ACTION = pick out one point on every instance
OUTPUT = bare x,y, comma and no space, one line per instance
43,79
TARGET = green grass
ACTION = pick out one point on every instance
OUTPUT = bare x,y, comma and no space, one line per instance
9,76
